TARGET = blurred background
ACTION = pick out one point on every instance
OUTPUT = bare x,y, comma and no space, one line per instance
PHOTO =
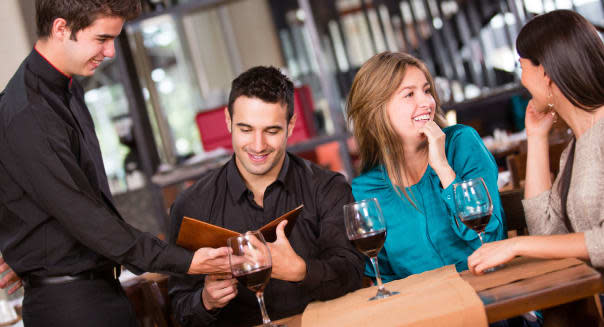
157,106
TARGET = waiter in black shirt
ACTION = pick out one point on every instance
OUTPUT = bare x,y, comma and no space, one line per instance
59,229
261,182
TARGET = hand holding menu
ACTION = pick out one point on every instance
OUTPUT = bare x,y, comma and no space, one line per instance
195,234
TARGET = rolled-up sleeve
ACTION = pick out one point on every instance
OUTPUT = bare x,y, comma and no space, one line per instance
338,269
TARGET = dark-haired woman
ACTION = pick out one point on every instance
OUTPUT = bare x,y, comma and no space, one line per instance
562,59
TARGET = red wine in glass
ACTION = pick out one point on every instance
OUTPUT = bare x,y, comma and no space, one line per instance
366,229
473,204
477,223
255,280
250,261
370,244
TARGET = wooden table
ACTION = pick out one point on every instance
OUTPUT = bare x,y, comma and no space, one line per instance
564,291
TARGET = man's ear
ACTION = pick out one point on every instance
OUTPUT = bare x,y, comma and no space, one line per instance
227,119
59,29
291,125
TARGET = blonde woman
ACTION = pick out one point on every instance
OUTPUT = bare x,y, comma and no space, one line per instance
562,59
410,162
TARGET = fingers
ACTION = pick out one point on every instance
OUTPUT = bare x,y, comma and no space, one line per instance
218,292
15,287
9,278
208,260
281,231
219,252
431,130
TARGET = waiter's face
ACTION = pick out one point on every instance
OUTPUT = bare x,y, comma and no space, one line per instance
93,45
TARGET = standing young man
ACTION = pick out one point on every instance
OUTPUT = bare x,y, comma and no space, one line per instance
261,182
59,229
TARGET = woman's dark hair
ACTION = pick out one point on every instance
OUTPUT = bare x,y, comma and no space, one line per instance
265,83
571,52
80,14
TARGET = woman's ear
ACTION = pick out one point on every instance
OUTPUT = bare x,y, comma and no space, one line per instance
546,78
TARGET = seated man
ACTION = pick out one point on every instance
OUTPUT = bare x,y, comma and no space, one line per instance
261,182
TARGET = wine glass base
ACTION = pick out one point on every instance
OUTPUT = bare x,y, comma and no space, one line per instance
383,294
492,269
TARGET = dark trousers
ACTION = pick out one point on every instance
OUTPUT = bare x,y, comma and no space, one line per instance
94,303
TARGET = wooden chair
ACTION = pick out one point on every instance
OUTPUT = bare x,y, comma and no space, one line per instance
516,163
157,304
511,201
149,298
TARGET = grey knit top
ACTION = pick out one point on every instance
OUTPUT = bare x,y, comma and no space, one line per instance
585,200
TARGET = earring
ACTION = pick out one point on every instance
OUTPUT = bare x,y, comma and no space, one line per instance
550,102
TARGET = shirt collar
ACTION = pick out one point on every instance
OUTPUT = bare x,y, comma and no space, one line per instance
47,71
237,186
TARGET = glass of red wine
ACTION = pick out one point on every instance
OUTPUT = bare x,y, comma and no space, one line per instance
473,204
250,261
366,229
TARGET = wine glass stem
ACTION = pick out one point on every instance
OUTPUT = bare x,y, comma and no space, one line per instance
480,237
266,321
378,278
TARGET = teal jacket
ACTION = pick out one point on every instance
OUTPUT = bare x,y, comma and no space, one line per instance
429,238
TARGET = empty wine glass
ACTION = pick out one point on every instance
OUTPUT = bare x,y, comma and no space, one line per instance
366,229
250,261
473,205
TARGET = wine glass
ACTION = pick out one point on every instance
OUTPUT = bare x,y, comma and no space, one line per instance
250,261
473,205
366,229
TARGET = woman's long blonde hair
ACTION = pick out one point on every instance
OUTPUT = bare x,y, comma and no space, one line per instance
373,86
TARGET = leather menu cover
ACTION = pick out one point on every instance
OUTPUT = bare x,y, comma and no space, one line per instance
195,234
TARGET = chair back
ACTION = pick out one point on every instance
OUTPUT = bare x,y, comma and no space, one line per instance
516,163
214,133
157,304
213,130
511,202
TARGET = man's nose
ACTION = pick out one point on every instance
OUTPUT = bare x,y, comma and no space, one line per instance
259,142
109,49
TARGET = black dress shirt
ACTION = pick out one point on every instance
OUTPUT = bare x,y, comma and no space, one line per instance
56,211
221,198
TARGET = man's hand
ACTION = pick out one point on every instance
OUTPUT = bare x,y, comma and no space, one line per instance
208,261
218,291
10,279
287,265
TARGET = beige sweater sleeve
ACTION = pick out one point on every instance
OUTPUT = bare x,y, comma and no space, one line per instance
543,212
585,201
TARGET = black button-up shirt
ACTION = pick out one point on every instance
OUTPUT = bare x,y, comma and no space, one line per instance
221,198
56,211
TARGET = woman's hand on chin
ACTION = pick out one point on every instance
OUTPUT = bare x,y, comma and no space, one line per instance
437,159
538,121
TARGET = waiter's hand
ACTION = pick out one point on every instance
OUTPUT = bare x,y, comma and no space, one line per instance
10,279
218,291
287,265
209,260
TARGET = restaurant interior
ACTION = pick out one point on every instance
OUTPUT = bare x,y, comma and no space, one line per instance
158,105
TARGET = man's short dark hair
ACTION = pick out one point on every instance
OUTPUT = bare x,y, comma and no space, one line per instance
265,83
80,14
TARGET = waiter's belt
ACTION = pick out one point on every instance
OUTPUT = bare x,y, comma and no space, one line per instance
110,274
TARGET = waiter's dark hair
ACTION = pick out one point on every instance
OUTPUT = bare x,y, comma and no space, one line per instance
80,14
571,52
265,83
